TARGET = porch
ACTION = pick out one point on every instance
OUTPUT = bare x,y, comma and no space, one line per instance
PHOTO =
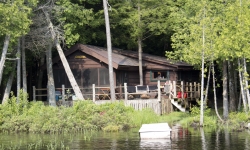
157,97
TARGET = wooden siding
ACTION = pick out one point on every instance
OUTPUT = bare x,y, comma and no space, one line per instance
155,66
79,63
133,78
150,81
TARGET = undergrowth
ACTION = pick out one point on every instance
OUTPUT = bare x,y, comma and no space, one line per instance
19,115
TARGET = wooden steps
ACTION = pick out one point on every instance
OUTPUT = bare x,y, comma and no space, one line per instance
177,105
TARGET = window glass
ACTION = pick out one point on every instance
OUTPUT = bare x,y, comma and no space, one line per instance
160,75
104,76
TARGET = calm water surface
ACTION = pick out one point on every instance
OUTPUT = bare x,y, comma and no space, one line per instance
182,139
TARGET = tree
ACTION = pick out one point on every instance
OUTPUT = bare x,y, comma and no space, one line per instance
139,20
51,84
14,22
109,47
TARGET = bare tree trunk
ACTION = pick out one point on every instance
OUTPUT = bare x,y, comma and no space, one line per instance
40,76
24,66
18,70
140,61
246,82
239,104
232,100
236,83
68,71
202,74
9,84
3,57
111,77
242,87
140,48
225,91
208,81
215,97
51,84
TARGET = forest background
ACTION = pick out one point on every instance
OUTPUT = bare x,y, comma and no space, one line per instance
204,33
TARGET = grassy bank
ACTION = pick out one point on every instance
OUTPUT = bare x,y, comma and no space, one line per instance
35,117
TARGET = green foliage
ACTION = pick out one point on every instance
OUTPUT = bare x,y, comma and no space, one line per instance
35,117
195,110
14,17
239,116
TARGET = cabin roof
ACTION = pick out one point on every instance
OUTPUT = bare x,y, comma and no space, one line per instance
121,57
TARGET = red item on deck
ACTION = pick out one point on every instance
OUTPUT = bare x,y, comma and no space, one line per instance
180,93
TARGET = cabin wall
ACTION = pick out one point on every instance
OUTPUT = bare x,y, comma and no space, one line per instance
151,80
86,69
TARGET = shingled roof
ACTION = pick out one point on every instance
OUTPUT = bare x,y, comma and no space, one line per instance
121,57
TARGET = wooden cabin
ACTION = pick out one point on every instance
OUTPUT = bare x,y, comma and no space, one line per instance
89,65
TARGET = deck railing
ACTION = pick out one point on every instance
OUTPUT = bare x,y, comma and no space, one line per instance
138,97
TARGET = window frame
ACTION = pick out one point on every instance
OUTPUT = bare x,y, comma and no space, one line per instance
152,79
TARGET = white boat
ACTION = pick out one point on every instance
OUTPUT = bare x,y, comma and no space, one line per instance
155,131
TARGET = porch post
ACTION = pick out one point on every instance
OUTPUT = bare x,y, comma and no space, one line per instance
93,89
174,88
159,90
63,94
182,90
159,96
34,93
125,92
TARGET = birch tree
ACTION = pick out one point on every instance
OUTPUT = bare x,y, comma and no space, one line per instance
109,47
14,22
51,83
55,38
18,69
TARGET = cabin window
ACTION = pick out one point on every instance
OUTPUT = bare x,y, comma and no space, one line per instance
159,75
104,76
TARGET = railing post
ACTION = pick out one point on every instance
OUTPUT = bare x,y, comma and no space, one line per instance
120,92
125,91
93,89
34,93
191,90
182,89
159,96
199,91
63,94
195,90
159,90
174,89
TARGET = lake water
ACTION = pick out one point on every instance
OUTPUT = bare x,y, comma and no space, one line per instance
182,139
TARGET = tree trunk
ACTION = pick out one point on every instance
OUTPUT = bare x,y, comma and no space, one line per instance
68,71
140,47
3,57
51,83
40,77
24,66
246,82
232,100
9,85
109,47
140,61
18,70
215,97
236,83
242,86
208,81
202,74
225,91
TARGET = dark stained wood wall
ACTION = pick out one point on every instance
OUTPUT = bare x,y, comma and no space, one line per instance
80,63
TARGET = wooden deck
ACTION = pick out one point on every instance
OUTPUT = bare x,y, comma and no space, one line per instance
162,102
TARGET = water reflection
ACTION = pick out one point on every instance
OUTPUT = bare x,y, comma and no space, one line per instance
156,144
182,139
